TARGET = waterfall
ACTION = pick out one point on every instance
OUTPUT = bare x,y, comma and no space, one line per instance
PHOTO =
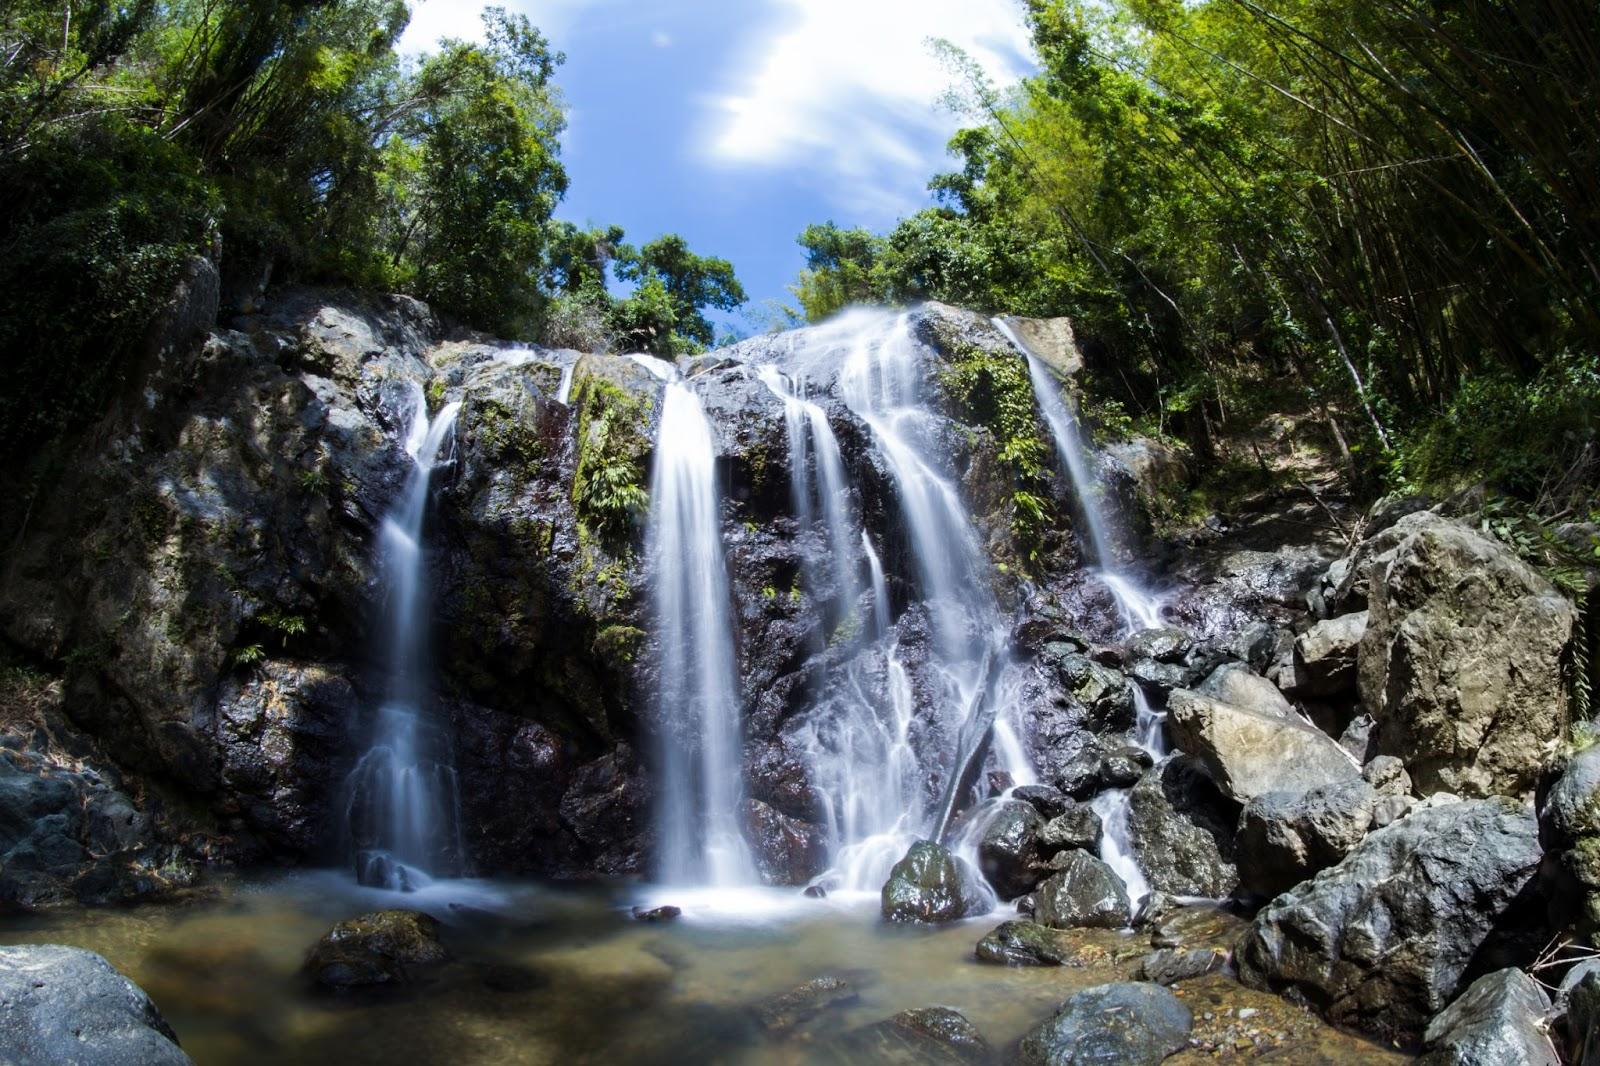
811,439
402,807
858,739
1140,610
702,796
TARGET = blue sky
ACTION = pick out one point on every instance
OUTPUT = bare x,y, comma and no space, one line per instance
738,122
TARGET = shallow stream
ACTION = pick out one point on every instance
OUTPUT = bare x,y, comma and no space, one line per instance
568,976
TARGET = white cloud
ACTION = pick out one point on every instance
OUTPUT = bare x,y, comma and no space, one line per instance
661,39
849,91
433,20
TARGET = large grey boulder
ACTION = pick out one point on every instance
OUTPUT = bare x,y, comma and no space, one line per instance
1237,684
1127,1023
1498,1019
1461,663
932,885
1285,837
1343,588
1181,829
1084,893
1382,941
70,1006
1249,752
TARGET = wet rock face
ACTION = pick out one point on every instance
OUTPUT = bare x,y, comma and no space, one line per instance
1461,663
932,885
1182,829
1084,893
1500,1018
1135,1023
1382,941
937,1036
787,851
67,1005
379,949
285,732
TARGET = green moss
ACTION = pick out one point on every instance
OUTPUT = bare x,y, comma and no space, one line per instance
618,642
506,435
993,390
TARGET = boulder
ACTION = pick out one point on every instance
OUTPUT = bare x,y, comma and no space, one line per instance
1171,965
1583,1021
384,948
1325,656
1360,738
1285,837
1009,850
1084,893
1123,766
1461,664
1077,826
1248,752
1021,943
66,1005
1387,776
1345,586
1569,827
1127,1023
932,885
1382,941
1236,684
1498,1019
1181,827
1049,802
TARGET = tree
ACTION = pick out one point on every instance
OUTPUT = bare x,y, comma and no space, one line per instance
691,284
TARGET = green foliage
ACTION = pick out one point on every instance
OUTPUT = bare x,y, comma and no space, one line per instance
992,389
607,489
675,286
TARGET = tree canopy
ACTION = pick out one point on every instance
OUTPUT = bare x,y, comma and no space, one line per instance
290,142
1384,207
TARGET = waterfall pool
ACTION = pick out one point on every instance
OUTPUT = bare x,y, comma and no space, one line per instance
547,975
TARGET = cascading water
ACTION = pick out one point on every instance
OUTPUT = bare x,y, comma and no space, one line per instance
402,810
859,741
701,803
1140,610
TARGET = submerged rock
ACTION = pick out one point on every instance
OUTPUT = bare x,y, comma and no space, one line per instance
1381,941
1009,850
937,1036
66,1005
1461,664
1249,752
383,948
1127,1023
931,884
1021,943
1499,1019
800,1004
1085,893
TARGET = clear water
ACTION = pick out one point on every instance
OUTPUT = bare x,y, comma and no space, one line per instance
545,976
